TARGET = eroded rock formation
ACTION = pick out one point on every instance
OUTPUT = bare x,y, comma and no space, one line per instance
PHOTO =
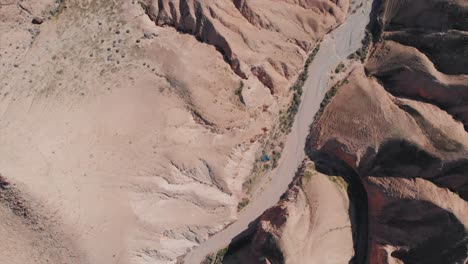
397,128
266,39
401,129
137,138
310,224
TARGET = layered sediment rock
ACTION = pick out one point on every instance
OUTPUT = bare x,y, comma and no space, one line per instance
402,128
434,35
137,138
397,128
265,39
310,224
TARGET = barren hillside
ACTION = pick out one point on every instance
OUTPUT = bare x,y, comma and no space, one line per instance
310,224
128,128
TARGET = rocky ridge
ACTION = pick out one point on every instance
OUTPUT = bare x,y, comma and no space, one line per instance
395,131
268,40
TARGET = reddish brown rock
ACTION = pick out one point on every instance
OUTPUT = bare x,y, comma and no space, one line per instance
396,130
400,125
309,225
254,37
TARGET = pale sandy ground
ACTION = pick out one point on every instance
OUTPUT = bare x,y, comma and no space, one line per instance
336,47
134,151
318,229
112,150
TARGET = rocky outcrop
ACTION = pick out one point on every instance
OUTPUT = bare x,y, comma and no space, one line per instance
396,130
411,158
430,64
400,124
266,39
405,71
310,224
415,221
426,15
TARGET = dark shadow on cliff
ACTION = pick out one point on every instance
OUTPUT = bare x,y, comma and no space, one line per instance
400,158
240,249
330,165
424,232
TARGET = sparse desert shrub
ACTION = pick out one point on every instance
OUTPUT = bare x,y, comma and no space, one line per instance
243,203
238,92
216,258
362,52
308,175
275,156
341,67
281,145
287,120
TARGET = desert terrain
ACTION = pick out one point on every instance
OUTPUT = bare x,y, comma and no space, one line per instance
336,46
234,131
391,132
128,128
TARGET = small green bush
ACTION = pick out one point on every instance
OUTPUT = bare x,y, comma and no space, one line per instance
243,203
362,52
341,67
216,258
238,92
287,121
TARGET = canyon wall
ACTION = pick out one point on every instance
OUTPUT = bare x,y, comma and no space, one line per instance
395,130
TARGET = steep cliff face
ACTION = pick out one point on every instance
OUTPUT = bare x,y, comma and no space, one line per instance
264,39
410,156
401,125
405,71
415,221
397,126
310,224
435,68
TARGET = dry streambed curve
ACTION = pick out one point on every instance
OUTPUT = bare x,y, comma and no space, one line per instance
336,47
